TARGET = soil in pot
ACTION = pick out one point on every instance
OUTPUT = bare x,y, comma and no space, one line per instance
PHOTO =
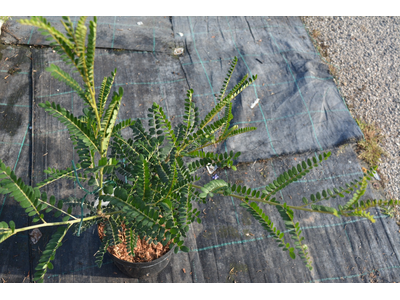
144,252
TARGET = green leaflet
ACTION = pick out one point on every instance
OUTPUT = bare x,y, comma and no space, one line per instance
212,186
228,78
288,177
235,131
108,121
74,125
325,209
164,123
91,47
6,230
267,224
58,174
205,133
5,234
131,241
222,103
42,23
25,195
357,194
135,210
144,182
111,230
49,253
105,91
85,225
228,117
100,253
124,124
69,28
210,157
80,48
63,76
190,117
228,108
327,194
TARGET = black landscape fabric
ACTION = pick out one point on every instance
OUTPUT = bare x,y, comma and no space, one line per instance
299,107
15,143
154,34
299,113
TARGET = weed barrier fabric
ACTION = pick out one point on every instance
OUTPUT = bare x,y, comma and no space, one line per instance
299,106
15,140
154,34
299,109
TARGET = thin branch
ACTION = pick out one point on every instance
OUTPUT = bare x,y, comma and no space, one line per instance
267,202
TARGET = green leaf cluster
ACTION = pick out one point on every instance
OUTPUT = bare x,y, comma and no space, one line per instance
268,225
49,253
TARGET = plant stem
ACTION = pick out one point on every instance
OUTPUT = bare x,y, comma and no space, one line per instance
101,190
66,222
267,202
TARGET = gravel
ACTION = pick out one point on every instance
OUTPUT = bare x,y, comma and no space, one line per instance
366,52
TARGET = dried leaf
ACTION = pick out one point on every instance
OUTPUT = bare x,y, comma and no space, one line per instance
35,235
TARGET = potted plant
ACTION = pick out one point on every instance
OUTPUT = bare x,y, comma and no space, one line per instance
145,185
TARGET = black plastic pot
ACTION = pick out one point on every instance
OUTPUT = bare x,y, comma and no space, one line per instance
143,269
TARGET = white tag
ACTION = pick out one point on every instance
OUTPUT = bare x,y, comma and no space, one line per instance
104,203
211,169
178,51
255,103
376,176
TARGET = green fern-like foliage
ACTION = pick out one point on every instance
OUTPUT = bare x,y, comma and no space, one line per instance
268,225
26,196
145,185
160,151
287,215
49,253
250,197
6,230
100,253
55,175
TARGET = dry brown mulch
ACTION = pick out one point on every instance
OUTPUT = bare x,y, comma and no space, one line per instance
144,252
